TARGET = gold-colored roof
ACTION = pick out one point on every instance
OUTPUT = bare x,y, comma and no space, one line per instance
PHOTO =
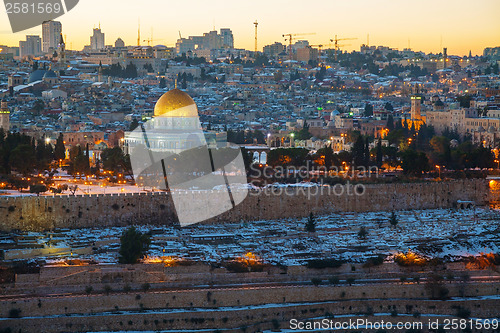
171,103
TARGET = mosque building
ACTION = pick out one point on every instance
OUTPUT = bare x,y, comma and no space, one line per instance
175,127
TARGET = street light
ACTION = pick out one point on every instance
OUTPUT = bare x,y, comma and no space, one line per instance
439,168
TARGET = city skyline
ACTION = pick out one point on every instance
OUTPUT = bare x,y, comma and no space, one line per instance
430,27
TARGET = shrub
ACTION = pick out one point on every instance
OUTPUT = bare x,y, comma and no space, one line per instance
350,280
334,280
88,289
316,281
146,286
374,261
15,313
127,288
409,259
362,233
324,263
463,312
107,289
133,245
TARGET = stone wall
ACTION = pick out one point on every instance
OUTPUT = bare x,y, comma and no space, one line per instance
47,212
176,309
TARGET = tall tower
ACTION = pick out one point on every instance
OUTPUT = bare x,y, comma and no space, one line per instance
4,116
62,51
256,24
445,56
99,73
50,35
97,40
416,102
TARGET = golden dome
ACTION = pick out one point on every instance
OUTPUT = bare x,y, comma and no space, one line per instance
174,104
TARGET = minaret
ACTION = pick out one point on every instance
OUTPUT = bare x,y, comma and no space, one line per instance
416,101
99,73
4,116
62,51
445,56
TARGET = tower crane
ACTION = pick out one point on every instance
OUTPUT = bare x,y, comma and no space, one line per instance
256,24
337,45
290,38
149,40
319,46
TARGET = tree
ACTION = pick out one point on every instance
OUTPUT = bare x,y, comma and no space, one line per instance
22,158
113,159
38,188
362,233
79,163
388,106
390,122
304,133
163,83
311,223
393,220
60,149
130,71
358,151
133,245
38,106
134,124
414,163
368,110
379,153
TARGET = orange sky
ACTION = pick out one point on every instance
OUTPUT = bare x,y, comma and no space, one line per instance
428,24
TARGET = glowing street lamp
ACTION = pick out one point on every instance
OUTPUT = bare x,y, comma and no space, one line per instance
439,168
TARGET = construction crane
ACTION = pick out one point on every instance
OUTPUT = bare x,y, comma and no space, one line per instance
139,32
337,45
319,46
151,40
256,24
290,38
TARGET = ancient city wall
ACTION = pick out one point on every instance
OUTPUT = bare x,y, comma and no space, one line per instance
66,211
305,301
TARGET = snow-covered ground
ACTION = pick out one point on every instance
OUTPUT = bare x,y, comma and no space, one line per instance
449,233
